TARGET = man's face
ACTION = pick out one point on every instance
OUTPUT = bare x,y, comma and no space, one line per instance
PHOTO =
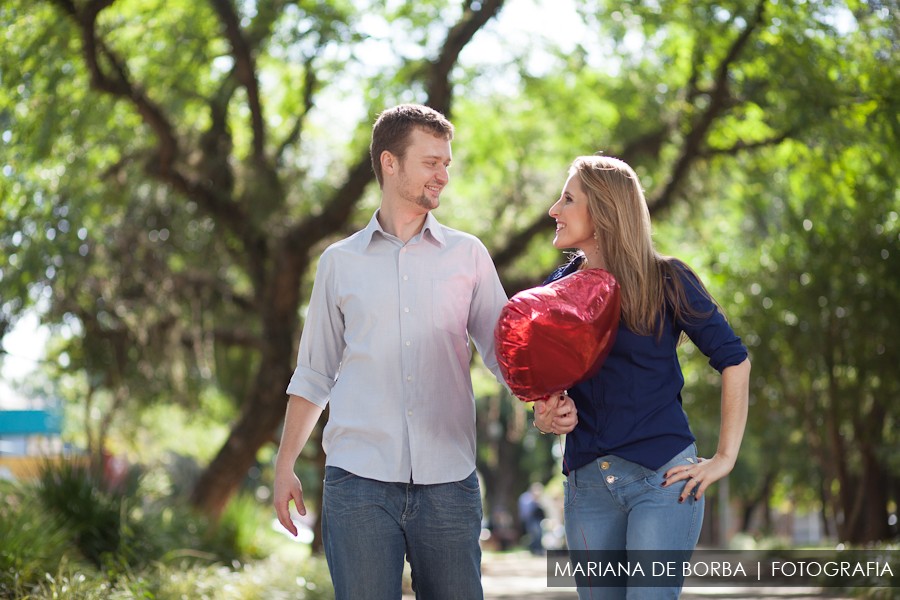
423,172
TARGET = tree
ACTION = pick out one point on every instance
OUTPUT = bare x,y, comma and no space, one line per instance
801,246
187,123
173,170
693,94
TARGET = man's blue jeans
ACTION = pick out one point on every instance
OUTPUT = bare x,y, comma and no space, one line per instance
369,526
615,504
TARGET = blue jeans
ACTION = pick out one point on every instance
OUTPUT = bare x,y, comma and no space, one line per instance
369,527
615,504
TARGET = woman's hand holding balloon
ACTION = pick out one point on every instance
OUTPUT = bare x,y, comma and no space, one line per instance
555,415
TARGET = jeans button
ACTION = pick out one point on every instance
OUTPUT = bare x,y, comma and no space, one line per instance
604,465
610,478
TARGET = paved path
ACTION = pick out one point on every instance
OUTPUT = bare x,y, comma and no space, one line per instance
521,576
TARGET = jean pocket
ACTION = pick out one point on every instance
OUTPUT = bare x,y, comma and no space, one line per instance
655,479
337,475
569,493
469,484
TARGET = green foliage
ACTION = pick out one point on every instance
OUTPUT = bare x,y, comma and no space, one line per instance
238,529
69,535
283,576
765,134
97,517
122,527
800,249
33,541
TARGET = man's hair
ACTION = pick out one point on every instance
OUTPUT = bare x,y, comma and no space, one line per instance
393,127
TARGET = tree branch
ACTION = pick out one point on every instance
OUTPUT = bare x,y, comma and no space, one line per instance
236,336
337,211
310,86
301,238
230,214
439,92
692,148
648,145
740,145
116,81
245,70
211,285
518,243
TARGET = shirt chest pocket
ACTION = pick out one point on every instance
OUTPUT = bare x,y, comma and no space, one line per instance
450,300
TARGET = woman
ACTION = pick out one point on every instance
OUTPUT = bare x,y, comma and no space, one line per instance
635,481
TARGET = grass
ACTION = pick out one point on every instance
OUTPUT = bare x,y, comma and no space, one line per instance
283,575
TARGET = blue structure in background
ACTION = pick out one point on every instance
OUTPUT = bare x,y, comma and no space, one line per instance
29,422
28,440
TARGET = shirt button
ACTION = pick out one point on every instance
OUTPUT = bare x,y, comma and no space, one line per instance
405,277
604,465
409,377
408,342
610,478
406,309
409,412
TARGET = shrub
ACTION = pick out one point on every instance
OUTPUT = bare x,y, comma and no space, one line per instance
33,542
70,536
96,517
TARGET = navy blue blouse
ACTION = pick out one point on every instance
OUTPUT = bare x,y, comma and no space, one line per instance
632,408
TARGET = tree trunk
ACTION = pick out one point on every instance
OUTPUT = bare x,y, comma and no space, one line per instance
868,517
500,430
263,408
259,419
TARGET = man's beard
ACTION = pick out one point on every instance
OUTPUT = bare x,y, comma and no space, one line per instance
426,203
422,201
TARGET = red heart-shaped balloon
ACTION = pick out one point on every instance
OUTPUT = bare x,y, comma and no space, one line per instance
551,337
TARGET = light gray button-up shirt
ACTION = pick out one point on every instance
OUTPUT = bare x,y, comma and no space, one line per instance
386,343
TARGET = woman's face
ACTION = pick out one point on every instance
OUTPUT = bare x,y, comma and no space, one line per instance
574,228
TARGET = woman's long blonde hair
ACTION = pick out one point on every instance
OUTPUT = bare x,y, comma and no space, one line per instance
648,281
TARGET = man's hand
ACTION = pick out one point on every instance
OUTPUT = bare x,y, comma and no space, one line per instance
287,488
299,421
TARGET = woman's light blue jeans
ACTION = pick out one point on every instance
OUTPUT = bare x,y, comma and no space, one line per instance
369,526
612,504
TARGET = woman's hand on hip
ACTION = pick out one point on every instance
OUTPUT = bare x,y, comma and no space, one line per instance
698,476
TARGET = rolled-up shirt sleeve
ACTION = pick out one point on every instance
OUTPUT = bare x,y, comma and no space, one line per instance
322,340
711,334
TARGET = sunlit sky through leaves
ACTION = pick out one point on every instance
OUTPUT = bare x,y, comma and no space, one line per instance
524,28
519,24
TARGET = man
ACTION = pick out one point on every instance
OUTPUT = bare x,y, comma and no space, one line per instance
386,343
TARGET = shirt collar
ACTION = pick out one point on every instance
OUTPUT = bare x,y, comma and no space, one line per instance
432,229
371,228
